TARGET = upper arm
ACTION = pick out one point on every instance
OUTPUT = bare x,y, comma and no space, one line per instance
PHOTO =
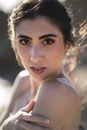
15,92
20,84
60,104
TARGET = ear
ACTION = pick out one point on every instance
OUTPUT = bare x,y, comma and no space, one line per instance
67,46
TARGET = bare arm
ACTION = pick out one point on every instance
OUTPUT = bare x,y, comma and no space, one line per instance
21,119
16,91
60,104
25,120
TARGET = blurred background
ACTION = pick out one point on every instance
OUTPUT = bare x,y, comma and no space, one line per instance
9,67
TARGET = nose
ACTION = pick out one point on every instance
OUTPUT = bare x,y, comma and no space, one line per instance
36,54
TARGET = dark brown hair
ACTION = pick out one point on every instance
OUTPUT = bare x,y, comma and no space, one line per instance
30,9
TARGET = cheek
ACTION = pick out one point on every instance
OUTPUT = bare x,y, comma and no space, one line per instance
56,57
23,57
57,53
21,52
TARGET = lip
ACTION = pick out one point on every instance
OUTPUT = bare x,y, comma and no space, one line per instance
38,70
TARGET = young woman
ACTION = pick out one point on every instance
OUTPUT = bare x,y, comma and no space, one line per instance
41,34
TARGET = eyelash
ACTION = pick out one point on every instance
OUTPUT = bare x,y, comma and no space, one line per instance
45,42
48,41
25,42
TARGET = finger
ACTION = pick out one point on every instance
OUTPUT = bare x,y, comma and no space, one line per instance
29,107
22,125
34,118
30,126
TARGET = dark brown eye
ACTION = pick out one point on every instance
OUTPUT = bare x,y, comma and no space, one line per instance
48,41
25,41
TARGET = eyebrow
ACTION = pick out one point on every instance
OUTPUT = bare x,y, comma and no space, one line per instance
47,35
41,37
23,36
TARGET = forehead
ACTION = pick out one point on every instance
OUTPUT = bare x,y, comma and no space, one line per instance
38,25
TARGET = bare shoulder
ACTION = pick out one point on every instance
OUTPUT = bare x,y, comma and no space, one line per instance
60,103
65,94
21,77
21,82
60,89
20,86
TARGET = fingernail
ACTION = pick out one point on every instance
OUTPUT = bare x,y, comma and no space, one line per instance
47,121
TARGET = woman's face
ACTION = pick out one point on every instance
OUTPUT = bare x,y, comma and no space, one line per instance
40,46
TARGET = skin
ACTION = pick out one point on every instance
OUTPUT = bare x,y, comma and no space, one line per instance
41,48
35,52
21,83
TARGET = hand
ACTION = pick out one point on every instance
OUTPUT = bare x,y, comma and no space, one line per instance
23,118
